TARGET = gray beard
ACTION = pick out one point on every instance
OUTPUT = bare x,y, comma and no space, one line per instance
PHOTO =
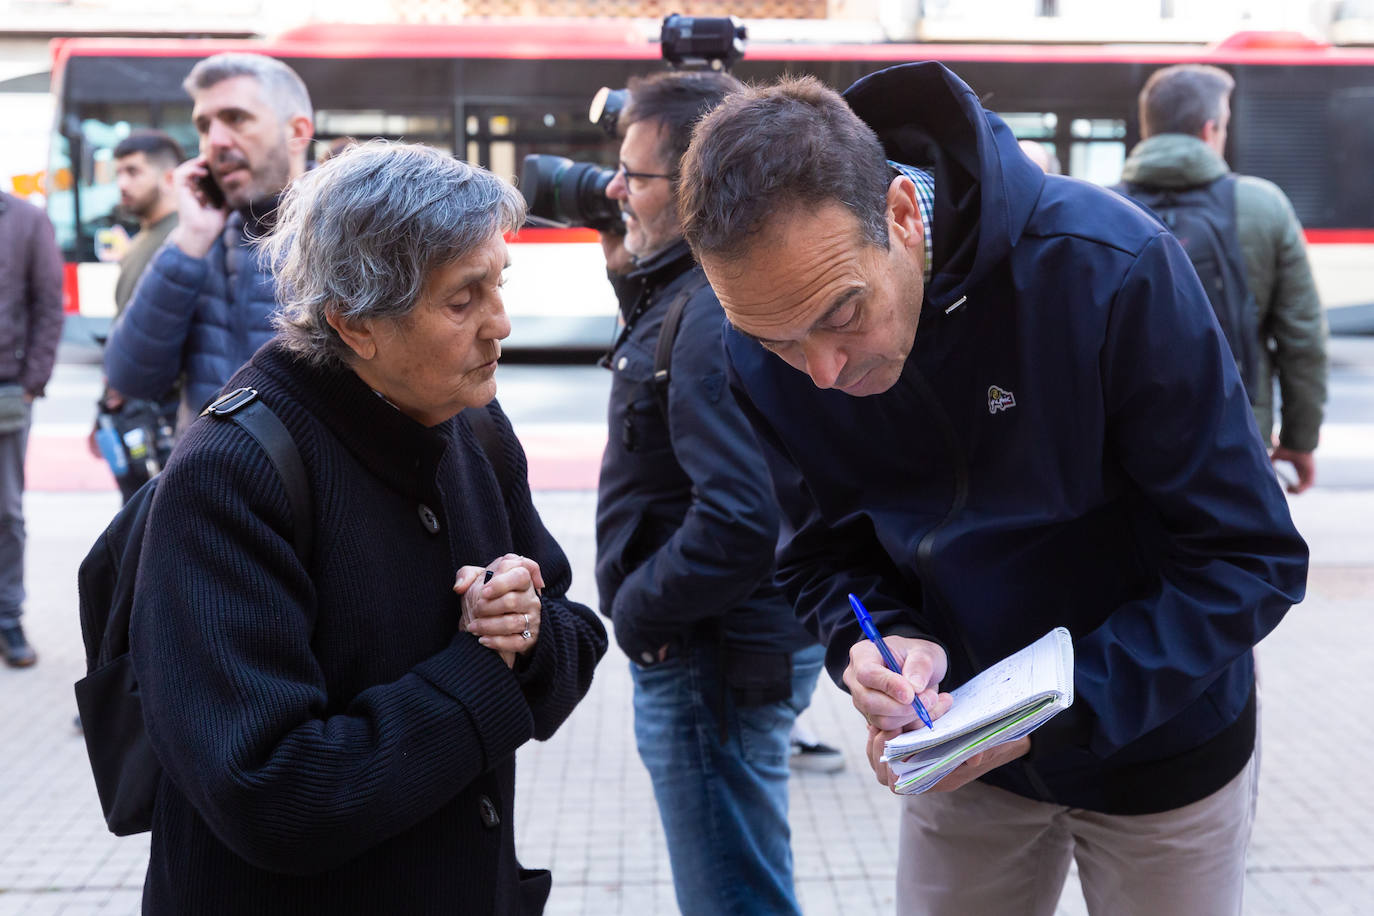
269,180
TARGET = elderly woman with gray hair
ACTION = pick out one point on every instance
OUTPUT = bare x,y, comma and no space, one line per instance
338,730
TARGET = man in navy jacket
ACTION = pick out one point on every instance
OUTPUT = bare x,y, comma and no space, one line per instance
205,303
1020,414
686,526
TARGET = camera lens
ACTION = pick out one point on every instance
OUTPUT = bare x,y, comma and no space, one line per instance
606,107
565,191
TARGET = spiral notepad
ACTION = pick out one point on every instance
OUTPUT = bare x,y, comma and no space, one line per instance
1007,701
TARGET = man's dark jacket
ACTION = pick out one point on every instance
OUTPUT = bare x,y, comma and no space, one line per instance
201,316
1069,444
686,524
30,295
332,742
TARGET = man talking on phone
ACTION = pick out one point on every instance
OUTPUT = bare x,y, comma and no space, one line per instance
204,304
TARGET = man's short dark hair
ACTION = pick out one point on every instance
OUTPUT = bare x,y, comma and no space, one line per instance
160,148
1182,99
676,101
770,149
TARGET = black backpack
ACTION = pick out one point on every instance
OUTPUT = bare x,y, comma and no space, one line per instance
122,760
1203,219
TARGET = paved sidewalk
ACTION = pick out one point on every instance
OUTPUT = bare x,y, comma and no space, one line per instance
584,805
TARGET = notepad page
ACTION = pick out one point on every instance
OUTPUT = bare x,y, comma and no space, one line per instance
920,777
1019,680
1033,714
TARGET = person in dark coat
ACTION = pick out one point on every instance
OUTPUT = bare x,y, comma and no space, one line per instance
996,402
338,731
686,526
1184,113
30,327
205,302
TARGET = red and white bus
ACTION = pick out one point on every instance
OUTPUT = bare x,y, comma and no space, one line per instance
494,92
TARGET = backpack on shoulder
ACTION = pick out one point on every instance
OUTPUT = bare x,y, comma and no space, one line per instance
122,760
1203,219
667,336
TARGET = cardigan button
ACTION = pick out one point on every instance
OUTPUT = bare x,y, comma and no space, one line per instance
490,817
428,519
622,364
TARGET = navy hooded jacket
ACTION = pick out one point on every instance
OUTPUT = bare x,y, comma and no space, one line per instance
1069,444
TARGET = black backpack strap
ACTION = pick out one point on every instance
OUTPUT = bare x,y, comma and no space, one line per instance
245,408
667,336
489,437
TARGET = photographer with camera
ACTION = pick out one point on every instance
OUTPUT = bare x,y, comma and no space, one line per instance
686,527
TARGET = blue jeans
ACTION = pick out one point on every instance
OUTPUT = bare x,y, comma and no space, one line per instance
723,803
13,447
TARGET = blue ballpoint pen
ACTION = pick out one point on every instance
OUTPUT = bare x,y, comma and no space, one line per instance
866,624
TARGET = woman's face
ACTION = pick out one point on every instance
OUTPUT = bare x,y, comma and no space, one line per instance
441,356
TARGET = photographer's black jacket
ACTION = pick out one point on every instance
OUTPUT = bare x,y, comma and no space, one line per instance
686,521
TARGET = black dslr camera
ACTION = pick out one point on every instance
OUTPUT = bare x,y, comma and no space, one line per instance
572,193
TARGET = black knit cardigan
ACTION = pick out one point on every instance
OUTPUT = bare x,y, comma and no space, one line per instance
331,741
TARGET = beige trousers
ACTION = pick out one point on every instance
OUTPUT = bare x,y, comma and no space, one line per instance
984,851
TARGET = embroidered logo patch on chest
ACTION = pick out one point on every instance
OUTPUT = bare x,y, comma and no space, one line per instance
1000,399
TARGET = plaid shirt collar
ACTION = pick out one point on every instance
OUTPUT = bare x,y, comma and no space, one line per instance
925,200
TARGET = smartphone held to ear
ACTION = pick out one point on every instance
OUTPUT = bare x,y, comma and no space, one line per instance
210,190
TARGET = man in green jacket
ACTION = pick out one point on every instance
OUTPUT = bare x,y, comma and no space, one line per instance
1184,113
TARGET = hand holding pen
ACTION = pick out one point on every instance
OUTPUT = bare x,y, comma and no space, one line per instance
892,693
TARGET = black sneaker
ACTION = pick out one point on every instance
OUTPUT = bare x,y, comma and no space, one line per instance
18,652
815,758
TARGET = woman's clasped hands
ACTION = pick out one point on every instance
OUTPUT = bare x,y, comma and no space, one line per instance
501,604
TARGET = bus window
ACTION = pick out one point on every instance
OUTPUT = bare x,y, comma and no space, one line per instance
1098,150
432,128
61,208
1040,127
1031,125
83,191
82,207
499,137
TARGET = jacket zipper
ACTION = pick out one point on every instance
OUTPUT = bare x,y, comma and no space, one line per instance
925,550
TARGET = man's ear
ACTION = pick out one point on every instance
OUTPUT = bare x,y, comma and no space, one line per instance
357,333
1211,135
904,223
300,130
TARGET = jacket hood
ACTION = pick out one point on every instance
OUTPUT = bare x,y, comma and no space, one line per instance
1173,161
985,187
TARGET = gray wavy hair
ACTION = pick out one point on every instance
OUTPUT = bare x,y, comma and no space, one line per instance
358,236
281,86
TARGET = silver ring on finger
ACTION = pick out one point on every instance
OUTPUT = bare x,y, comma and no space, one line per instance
525,634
